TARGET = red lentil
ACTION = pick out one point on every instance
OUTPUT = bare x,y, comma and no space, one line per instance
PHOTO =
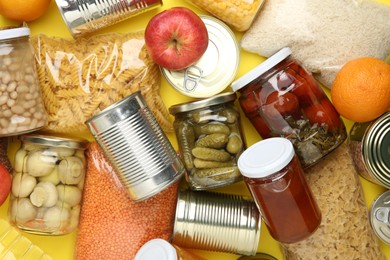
112,226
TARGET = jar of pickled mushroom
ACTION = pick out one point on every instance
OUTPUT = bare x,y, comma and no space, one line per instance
21,105
47,184
277,183
280,98
210,140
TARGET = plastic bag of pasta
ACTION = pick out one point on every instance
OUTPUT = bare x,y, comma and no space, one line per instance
81,77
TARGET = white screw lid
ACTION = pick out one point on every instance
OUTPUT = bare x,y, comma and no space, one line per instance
156,249
266,157
14,33
261,69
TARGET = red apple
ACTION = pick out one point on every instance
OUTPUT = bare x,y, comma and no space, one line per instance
5,184
176,38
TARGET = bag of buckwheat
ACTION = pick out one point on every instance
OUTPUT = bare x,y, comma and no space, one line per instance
323,34
345,231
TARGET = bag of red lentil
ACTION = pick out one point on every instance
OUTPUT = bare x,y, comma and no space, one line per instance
111,225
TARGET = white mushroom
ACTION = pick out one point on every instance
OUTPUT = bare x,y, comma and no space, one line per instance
54,216
69,194
39,164
74,217
20,160
59,151
71,170
22,210
52,177
22,184
44,195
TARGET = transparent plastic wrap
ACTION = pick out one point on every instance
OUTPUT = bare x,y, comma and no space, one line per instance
345,231
321,39
81,77
239,14
112,226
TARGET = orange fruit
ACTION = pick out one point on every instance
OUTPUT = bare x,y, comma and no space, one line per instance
23,10
361,90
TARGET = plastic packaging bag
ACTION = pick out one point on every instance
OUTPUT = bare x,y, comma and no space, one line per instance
81,77
323,34
111,225
345,231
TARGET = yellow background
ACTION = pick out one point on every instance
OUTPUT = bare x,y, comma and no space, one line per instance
62,247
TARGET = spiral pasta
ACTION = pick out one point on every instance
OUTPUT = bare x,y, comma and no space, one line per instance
81,77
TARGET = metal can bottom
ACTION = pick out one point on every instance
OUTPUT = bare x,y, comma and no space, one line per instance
380,217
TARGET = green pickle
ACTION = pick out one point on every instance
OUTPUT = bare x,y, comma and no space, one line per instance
210,141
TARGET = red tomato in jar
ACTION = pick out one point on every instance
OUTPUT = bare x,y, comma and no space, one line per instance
323,113
284,103
261,126
5,184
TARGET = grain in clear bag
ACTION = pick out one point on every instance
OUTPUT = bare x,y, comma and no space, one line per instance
238,14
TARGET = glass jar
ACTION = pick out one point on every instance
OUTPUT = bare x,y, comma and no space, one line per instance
157,249
47,184
281,98
210,140
21,105
277,183
239,14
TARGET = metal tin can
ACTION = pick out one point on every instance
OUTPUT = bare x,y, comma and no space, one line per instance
380,217
217,222
86,16
137,147
369,145
22,108
47,184
215,70
210,140
282,99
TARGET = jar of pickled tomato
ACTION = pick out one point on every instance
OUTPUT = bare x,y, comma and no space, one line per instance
274,177
282,99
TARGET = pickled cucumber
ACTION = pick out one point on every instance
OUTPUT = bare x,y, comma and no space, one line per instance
219,174
234,144
211,154
201,164
229,114
187,142
213,129
213,141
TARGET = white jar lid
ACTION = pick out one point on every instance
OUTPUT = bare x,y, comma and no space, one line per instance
266,157
14,33
261,69
156,249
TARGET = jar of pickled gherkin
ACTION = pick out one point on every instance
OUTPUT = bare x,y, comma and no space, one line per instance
47,184
282,99
210,140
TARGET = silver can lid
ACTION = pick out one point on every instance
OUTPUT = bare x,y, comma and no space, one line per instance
376,149
215,70
203,103
55,140
380,218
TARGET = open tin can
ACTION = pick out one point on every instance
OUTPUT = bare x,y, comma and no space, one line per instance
86,16
369,145
217,222
136,146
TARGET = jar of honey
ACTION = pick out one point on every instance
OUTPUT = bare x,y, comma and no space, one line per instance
282,99
277,183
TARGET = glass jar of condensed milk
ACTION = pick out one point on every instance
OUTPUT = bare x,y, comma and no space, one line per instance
369,145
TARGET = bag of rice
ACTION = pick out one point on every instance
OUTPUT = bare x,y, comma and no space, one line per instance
345,231
323,34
